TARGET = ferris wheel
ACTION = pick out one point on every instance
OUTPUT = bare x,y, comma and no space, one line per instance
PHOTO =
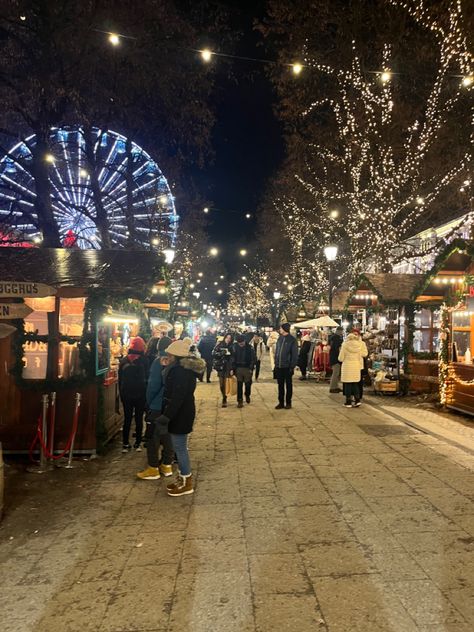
100,168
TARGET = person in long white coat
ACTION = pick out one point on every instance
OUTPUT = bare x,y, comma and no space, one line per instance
271,344
352,354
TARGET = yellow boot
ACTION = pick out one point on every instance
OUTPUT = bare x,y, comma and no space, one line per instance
149,474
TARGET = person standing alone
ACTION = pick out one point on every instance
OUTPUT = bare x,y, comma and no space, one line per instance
335,342
206,347
286,358
352,354
244,362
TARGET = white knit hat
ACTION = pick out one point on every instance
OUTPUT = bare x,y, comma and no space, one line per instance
179,348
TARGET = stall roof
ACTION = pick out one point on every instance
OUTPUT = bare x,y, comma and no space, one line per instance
124,271
390,288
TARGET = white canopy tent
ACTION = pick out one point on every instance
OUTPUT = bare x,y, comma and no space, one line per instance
322,321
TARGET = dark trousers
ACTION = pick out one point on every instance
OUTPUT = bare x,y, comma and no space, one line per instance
131,407
303,371
257,368
222,386
244,376
351,390
153,443
285,379
208,369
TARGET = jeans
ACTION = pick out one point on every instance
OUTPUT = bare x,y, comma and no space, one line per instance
335,377
131,406
285,379
257,368
243,375
180,446
153,443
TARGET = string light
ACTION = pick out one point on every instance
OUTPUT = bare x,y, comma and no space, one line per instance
297,68
385,76
468,81
114,39
50,158
206,54
213,252
205,209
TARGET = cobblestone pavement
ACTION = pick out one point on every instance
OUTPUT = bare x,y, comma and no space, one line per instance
315,518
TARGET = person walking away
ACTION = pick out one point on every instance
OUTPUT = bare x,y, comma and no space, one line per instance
154,400
223,363
335,342
206,347
179,409
259,349
244,362
352,354
286,357
132,380
303,356
271,344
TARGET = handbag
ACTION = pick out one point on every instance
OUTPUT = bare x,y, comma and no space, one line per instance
231,386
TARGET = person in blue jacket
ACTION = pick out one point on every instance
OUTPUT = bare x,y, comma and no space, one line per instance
154,399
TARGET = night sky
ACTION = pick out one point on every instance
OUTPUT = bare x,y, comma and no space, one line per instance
247,139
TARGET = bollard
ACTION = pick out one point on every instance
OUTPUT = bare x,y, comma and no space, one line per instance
51,425
69,465
44,432
43,464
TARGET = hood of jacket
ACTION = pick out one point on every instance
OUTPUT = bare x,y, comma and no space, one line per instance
196,365
352,343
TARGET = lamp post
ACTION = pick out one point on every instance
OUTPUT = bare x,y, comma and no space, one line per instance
330,253
276,296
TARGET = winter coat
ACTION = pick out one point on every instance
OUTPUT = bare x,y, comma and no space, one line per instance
155,387
303,354
352,354
178,397
335,341
223,359
286,352
132,377
206,347
244,356
259,347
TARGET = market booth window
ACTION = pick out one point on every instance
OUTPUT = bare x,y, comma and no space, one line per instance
71,324
462,333
35,357
426,330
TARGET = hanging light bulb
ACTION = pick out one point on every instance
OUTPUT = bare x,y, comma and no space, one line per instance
297,68
420,201
206,54
49,158
385,76
468,81
114,39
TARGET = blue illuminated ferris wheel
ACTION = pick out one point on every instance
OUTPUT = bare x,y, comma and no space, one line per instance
87,171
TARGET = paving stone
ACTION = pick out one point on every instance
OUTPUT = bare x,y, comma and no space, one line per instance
278,573
426,603
289,613
336,559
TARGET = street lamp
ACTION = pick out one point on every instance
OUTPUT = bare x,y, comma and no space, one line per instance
330,252
169,255
276,296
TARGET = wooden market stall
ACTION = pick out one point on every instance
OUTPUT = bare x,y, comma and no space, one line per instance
70,339
383,301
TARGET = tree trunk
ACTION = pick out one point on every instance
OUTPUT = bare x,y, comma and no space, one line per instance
43,204
94,166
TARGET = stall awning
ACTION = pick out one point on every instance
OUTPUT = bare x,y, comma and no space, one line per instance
124,271
385,288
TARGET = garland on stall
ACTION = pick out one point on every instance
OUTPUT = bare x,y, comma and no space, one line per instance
443,357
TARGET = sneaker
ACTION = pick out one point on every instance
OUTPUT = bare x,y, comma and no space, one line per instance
126,448
137,447
240,405
287,407
356,405
182,486
347,405
149,474
247,399
279,407
166,470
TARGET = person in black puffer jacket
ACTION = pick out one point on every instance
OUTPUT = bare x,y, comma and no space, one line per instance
179,410
224,363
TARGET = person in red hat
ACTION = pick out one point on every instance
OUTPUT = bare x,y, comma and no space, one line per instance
132,377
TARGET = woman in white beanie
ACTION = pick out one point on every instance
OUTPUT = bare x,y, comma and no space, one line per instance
179,408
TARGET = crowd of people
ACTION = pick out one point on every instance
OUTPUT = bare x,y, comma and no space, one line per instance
157,381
